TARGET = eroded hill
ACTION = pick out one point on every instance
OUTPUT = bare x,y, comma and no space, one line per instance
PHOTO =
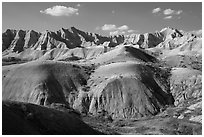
135,77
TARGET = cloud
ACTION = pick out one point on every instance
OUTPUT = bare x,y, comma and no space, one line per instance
168,11
124,27
179,12
112,11
156,10
108,27
78,5
114,32
117,32
130,31
60,11
168,17
172,13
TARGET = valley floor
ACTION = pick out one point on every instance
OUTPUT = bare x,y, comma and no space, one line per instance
157,125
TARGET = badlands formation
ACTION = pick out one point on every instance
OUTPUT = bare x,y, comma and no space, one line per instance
86,83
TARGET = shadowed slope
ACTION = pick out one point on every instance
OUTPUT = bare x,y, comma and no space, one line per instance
42,83
30,119
124,53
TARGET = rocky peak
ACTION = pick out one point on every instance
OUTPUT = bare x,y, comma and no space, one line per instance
20,34
31,38
73,37
170,33
7,38
10,31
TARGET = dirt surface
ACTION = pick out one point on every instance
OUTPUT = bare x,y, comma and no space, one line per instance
29,119
157,125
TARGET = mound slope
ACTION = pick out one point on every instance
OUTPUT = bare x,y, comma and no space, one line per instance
29,119
42,83
128,90
124,53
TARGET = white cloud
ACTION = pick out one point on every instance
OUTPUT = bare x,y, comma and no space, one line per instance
60,11
130,31
124,27
78,5
108,27
168,17
114,32
172,13
156,10
168,11
179,12
117,32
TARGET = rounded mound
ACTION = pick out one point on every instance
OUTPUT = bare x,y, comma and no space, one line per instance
128,90
42,83
29,119
124,53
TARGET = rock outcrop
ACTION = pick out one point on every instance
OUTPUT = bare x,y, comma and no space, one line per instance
20,44
17,40
31,38
7,38
147,40
186,84
150,40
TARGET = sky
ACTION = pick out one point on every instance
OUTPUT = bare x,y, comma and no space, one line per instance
105,18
